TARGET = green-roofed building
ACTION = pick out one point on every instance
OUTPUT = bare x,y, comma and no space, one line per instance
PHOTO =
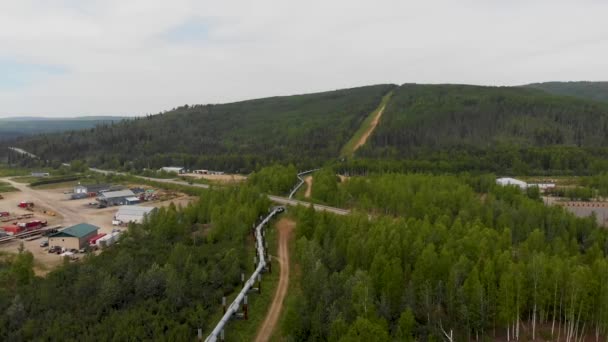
74,237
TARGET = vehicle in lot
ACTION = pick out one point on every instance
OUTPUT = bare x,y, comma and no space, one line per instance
44,243
26,204
4,214
49,232
55,249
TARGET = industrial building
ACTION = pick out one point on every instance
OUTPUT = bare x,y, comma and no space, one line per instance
512,181
126,214
122,197
176,169
90,188
74,237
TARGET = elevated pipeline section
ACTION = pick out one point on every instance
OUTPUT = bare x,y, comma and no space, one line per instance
240,299
300,182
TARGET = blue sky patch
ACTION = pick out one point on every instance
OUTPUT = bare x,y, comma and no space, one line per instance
195,30
15,74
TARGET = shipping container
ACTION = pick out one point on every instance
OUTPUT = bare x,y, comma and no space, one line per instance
108,240
12,229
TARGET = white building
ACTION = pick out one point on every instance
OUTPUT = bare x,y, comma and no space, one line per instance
504,181
128,213
176,169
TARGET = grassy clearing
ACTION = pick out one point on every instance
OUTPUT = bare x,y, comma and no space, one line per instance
350,147
6,171
25,179
52,186
241,330
5,187
558,180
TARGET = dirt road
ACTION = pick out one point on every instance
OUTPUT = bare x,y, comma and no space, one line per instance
70,216
308,181
285,227
370,129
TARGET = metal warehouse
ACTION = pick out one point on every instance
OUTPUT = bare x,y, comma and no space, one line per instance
74,237
126,214
123,197
90,188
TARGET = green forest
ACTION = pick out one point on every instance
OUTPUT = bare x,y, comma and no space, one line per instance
597,91
446,256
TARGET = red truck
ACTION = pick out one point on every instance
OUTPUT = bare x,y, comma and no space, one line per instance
26,204
32,225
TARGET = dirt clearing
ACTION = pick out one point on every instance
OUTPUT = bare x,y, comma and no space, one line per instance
226,178
369,129
285,227
308,180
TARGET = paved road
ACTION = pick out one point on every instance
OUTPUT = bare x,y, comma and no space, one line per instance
276,199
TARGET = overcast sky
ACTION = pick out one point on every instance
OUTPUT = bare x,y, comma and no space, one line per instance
122,57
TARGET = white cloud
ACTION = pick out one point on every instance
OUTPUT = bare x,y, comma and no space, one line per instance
122,57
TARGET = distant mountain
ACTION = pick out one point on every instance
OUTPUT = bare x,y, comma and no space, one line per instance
597,91
13,127
301,129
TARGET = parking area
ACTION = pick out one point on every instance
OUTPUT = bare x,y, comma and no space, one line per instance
54,206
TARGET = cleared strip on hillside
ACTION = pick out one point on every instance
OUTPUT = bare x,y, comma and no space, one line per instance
366,129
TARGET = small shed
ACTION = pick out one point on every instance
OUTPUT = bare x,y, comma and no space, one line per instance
40,174
74,237
117,197
126,214
505,181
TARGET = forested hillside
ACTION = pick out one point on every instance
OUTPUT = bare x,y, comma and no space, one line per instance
447,255
597,91
437,128
11,128
307,129
490,128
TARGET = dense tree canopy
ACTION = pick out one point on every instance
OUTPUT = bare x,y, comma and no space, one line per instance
597,91
494,263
